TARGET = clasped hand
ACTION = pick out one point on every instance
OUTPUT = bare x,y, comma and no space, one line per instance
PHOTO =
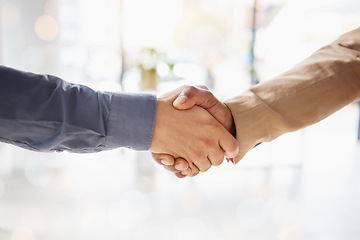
193,131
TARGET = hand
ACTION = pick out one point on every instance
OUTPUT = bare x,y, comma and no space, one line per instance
193,134
202,97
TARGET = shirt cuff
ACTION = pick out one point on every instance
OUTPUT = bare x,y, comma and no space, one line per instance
251,120
131,121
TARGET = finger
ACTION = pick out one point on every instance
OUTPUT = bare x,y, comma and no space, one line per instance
181,164
191,96
202,164
186,172
163,159
229,144
171,169
180,175
176,168
202,97
217,157
194,171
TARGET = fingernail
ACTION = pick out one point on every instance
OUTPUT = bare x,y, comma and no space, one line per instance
230,155
185,172
179,167
180,99
165,162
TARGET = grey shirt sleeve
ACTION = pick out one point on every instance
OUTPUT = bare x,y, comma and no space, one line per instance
46,113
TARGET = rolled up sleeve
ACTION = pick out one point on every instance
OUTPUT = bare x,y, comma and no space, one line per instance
309,92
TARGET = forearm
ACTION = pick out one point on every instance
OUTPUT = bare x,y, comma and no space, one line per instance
312,90
45,113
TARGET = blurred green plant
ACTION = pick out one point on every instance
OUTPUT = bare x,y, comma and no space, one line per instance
147,64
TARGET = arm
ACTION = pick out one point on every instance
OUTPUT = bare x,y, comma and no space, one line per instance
45,113
312,90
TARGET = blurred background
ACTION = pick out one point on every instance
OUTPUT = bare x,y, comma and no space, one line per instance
303,185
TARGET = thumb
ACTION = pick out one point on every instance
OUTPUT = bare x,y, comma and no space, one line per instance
194,95
202,97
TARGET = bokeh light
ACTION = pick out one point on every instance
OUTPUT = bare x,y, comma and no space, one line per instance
46,28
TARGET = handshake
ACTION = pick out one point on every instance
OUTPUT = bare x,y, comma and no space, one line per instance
193,131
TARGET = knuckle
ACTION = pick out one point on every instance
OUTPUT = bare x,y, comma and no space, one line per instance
203,86
189,89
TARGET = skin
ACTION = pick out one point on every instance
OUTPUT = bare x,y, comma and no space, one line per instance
192,134
189,97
